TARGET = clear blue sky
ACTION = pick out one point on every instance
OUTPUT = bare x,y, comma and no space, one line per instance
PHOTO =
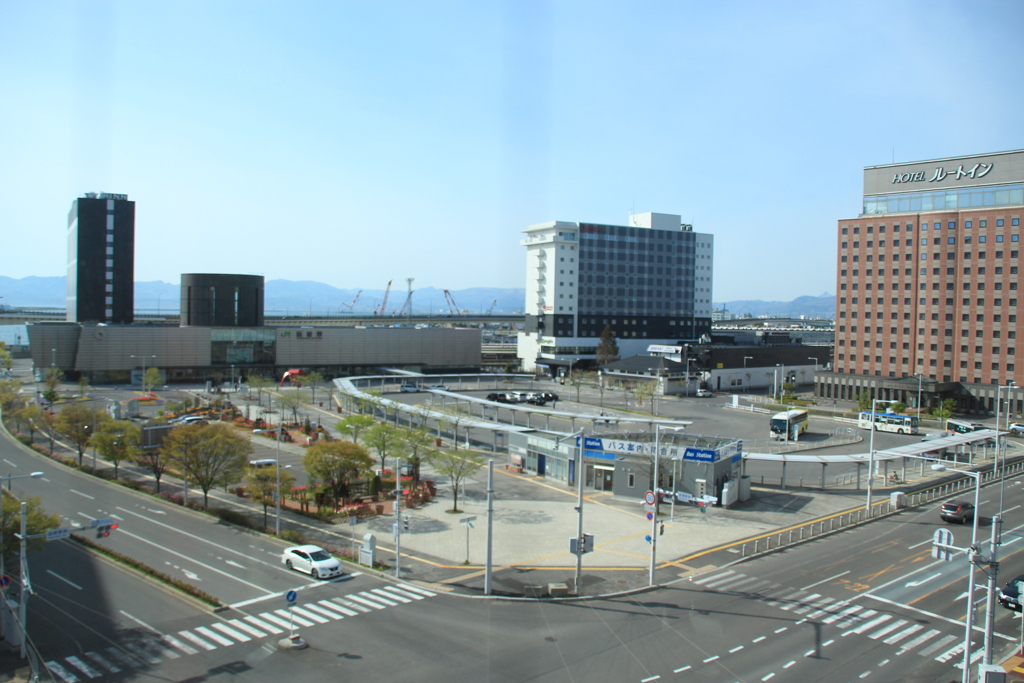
357,142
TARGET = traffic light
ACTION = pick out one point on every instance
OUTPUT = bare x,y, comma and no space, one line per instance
405,522
104,531
661,530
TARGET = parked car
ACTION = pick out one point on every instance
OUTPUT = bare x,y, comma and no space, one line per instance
704,393
958,511
313,560
549,395
440,387
409,388
1017,428
536,398
1009,595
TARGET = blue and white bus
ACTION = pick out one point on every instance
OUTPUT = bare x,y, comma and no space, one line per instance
789,425
888,422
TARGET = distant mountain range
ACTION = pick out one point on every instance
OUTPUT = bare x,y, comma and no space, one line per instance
290,297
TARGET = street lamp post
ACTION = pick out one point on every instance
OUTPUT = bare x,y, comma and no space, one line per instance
277,466
143,369
580,476
871,449
1000,463
970,576
657,498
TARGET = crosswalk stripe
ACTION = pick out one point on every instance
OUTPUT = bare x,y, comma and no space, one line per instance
723,579
171,640
82,666
808,604
192,638
705,579
352,605
923,638
937,645
344,610
274,619
391,594
157,648
365,601
215,637
905,633
399,591
104,662
416,589
326,612
756,586
306,614
889,628
841,614
283,613
140,652
733,585
373,595
795,600
950,653
868,625
821,607
855,618
62,672
782,597
256,633
230,632
269,627
123,657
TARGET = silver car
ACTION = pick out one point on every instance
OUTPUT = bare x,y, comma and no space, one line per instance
313,560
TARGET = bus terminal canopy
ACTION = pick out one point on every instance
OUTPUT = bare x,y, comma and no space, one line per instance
914,450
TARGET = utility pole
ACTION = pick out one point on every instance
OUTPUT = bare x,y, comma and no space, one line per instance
398,519
490,525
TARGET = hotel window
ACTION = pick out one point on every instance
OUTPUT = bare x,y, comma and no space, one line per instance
999,222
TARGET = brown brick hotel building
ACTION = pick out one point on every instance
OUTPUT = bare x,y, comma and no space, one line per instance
928,285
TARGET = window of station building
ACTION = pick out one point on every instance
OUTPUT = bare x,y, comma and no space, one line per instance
968,224
856,230
1014,221
871,229
924,241
844,245
983,223
951,225
999,222
844,231
843,258
856,258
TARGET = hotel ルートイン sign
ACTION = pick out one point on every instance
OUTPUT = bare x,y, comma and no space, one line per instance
979,170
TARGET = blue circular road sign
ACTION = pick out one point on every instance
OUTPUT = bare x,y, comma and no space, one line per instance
291,596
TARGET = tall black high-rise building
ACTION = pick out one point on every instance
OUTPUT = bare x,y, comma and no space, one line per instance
101,259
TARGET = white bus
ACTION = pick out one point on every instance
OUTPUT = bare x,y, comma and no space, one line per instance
962,427
888,422
789,425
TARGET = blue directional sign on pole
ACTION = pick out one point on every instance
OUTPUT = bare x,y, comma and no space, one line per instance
291,597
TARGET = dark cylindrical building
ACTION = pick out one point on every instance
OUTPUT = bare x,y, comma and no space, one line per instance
221,300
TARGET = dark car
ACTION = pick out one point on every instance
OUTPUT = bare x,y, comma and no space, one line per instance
958,511
500,398
549,395
1009,596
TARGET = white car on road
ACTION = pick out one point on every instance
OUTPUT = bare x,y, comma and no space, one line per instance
313,560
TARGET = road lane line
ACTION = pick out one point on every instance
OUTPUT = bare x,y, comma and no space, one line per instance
70,583
758,639
682,669
736,649
818,583
649,678
780,630
791,663
194,561
83,495
711,659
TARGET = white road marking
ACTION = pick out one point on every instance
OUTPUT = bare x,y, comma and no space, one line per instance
682,669
234,564
827,643
283,613
768,677
160,649
791,663
239,624
650,678
399,591
215,637
919,640
196,640
827,580
711,659
270,628
780,630
950,653
192,576
70,583
104,662
889,628
322,611
230,632
344,610
140,653
842,614
758,639
915,584
376,595
1012,639
713,576
62,672
82,666
392,595
309,616
736,649
938,645
910,630
83,495
140,622
124,658
171,640
350,604
267,616
364,600
416,589
867,625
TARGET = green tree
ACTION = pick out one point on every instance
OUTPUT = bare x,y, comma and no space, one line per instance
83,384
643,391
152,459
150,379
6,361
456,468
946,411
290,403
864,400
383,438
354,424
261,483
260,383
311,380
10,394
32,415
78,423
336,464
117,441
208,454
53,377
607,348
416,446
898,408
37,522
